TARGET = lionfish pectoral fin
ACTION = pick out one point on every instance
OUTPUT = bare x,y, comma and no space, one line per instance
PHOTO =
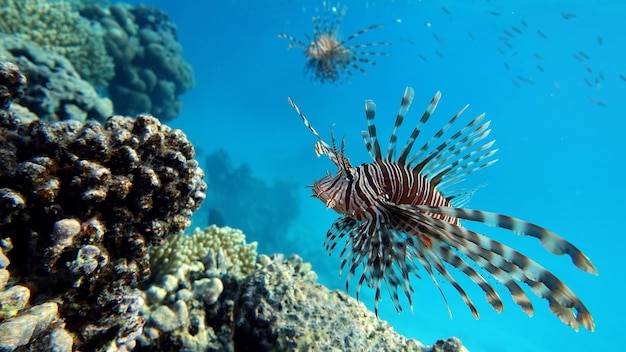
491,254
551,241
432,251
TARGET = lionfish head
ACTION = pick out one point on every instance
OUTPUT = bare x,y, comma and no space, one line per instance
331,189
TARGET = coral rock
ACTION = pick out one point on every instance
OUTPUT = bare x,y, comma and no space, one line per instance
81,203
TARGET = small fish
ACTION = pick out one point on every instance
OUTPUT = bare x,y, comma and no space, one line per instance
516,30
542,34
584,54
623,77
598,83
493,13
509,34
578,58
567,15
588,82
588,68
438,54
515,83
556,85
596,101
423,58
538,56
471,35
506,65
540,68
601,75
446,11
528,80
436,36
524,23
600,40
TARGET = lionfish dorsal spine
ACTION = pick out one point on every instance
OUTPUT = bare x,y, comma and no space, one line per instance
321,147
371,136
406,150
405,105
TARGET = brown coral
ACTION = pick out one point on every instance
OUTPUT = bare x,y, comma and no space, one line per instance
81,203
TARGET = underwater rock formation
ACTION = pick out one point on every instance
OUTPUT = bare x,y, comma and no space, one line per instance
38,326
190,301
56,27
55,91
79,206
150,72
205,295
240,199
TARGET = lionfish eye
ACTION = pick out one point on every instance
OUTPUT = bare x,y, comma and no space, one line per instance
348,174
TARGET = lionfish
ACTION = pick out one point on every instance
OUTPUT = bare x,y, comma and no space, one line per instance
401,212
328,56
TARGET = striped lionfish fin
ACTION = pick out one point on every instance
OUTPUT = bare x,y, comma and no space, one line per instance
361,32
497,258
551,241
321,147
454,157
294,42
405,104
434,247
329,20
370,137
404,154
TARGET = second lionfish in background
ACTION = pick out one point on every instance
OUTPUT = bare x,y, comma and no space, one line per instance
329,58
399,213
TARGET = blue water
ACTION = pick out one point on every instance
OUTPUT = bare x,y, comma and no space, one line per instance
561,153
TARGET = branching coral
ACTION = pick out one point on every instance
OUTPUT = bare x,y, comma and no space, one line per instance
57,27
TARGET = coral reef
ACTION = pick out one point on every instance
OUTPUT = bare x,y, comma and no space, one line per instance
282,308
240,199
190,301
12,85
55,90
150,72
56,27
228,244
38,326
277,307
81,203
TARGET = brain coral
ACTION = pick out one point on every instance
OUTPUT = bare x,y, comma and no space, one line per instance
80,204
55,26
